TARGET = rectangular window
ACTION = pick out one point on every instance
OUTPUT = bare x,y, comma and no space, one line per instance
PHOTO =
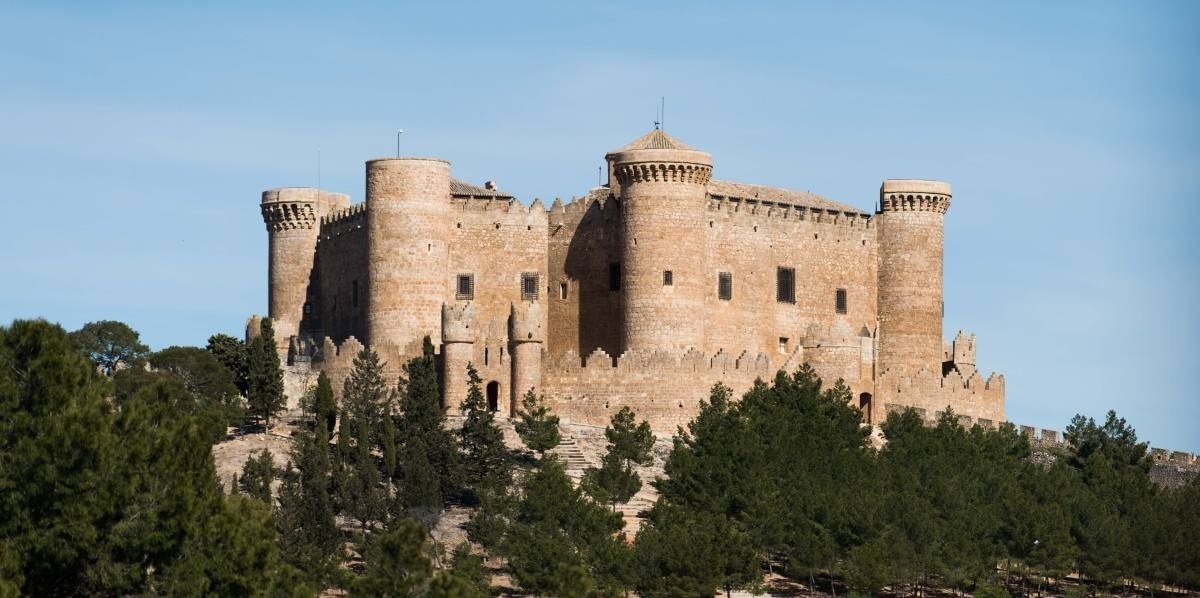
614,276
465,288
529,286
840,301
354,294
724,286
783,344
562,290
785,285
668,278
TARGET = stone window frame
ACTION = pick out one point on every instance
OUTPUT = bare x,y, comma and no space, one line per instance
563,292
464,286
668,278
840,301
725,286
529,285
785,284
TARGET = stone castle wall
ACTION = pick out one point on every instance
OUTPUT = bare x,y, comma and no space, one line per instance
662,387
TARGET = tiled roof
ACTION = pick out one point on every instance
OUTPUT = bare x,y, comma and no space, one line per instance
655,139
461,189
747,191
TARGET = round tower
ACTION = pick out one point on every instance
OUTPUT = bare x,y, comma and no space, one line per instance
527,333
909,231
663,187
408,207
292,215
458,349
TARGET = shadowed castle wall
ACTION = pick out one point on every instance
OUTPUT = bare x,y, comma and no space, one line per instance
342,264
584,237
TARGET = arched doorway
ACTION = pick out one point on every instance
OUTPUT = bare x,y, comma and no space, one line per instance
864,405
493,395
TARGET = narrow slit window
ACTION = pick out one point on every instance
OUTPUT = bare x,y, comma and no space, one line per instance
464,290
529,286
668,278
614,276
562,290
724,286
785,285
840,301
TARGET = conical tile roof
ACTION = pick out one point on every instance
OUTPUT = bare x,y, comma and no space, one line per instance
655,139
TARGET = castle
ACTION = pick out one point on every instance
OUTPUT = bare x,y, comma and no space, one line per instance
643,292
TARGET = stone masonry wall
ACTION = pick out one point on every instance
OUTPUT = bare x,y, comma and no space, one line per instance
664,388
827,250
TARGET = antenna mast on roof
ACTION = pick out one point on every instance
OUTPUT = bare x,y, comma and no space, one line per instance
662,114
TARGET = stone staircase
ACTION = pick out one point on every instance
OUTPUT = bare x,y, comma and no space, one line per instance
572,455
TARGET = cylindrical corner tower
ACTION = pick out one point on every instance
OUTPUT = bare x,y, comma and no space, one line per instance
663,189
527,333
408,206
909,232
292,215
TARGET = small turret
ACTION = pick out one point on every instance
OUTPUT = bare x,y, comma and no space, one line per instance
962,353
458,349
526,332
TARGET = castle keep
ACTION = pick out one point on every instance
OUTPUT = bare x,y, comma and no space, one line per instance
643,292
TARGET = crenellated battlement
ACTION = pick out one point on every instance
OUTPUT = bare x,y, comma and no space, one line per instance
497,212
787,212
690,361
344,221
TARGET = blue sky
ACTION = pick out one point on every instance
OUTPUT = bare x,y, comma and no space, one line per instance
135,141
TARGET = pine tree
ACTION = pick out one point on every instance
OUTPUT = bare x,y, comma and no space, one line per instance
422,417
398,564
486,459
264,377
308,535
325,407
257,475
537,427
559,538
57,451
235,356
615,481
109,344
361,490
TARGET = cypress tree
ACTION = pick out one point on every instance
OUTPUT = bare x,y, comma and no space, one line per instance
264,377
422,418
325,406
